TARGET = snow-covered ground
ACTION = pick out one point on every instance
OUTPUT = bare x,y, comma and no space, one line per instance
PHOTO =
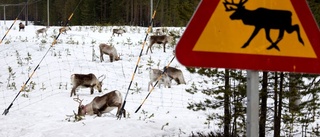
45,107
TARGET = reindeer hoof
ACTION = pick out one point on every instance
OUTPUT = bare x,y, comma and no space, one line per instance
245,45
301,41
273,46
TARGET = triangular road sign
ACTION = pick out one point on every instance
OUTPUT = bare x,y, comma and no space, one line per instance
269,35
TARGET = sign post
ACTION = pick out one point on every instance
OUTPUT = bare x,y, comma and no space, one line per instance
252,103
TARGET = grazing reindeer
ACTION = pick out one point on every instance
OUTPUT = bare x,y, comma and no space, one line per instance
64,30
42,30
21,26
154,74
86,80
175,74
163,39
118,31
263,18
109,50
101,104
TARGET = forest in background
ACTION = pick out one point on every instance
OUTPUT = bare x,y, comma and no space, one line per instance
102,12
110,12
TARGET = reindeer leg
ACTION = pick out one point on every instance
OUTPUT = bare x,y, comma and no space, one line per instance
295,28
150,84
73,90
178,81
111,57
91,90
164,47
119,108
101,57
120,113
96,111
161,81
147,50
274,45
149,47
254,33
101,109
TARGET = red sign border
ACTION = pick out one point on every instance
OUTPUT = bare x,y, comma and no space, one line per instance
199,21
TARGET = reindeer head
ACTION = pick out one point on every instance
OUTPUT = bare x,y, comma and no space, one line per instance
166,79
122,28
99,84
170,39
118,57
238,8
81,108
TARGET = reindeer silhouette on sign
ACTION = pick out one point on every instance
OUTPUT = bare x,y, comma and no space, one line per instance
263,18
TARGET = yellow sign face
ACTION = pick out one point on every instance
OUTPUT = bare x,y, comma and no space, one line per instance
221,28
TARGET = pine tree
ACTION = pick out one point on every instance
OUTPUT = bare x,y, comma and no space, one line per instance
315,8
227,91
88,16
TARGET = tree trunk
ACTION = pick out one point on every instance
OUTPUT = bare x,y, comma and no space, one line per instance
234,127
278,116
227,117
293,92
276,130
264,97
132,12
280,102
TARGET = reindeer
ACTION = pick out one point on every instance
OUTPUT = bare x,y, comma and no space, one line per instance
21,26
86,80
118,31
263,18
109,50
175,74
42,30
101,104
64,30
163,39
154,74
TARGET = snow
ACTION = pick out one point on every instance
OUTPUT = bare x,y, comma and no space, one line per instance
47,109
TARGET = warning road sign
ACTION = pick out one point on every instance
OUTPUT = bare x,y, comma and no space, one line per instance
246,34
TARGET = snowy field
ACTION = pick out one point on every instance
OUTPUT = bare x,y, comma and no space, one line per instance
45,109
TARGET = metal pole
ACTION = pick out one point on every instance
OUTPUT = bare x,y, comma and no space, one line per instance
134,72
252,103
48,13
4,14
151,11
26,16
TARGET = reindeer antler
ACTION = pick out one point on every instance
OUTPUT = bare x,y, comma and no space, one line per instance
78,100
230,8
103,77
119,55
